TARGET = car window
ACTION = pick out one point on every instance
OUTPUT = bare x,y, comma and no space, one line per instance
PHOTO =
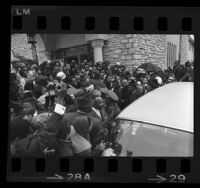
143,139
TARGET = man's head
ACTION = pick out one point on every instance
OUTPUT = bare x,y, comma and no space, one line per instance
145,80
29,106
57,64
23,67
78,77
85,60
94,68
86,67
34,66
115,83
190,78
67,67
61,75
51,78
109,79
124,83
56,69
84,100
188,64
87,80
74,82
132,81
96,93
141,77
98,103
102,75
73,61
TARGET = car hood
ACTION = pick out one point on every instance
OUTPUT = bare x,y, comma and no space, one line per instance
170,105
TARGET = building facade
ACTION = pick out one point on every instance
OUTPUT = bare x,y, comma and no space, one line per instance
128,49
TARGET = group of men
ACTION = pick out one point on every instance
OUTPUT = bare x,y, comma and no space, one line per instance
91,94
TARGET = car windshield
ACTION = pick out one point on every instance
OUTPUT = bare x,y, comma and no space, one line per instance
143,139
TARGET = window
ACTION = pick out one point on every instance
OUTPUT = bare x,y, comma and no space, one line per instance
78,53
171,54
190,46
144,139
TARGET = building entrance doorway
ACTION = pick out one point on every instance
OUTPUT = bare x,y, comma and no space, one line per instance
77,53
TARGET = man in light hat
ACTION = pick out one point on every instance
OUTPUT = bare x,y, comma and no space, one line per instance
61,75
111,100
61,85
140,71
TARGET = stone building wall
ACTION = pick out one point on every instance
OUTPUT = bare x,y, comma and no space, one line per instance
184,48
21,47
134,50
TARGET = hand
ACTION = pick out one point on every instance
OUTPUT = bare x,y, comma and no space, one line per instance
100,147
108,152
103,132
28,118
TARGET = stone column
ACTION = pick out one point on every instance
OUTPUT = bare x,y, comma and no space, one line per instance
98,53
183,49
34,52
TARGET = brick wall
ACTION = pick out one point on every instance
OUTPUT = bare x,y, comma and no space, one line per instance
21,47
134,50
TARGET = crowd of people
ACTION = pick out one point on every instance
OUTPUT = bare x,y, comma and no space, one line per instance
91,94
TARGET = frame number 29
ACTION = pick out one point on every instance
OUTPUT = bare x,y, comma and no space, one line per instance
177,178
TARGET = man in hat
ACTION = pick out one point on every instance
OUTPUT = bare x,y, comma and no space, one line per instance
61,75
60,84
84,105
111,99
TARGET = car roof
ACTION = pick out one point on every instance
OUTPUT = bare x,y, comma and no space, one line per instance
170,105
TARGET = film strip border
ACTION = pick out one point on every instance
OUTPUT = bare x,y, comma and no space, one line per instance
101,169
137,20
104,20
90,23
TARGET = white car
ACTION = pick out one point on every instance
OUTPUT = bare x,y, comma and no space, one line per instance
159,123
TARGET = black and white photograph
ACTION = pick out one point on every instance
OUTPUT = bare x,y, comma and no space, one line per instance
101,95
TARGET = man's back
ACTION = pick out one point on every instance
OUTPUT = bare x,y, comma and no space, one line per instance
68,119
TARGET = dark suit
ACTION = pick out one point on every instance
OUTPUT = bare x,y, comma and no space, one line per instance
102,112
68,119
